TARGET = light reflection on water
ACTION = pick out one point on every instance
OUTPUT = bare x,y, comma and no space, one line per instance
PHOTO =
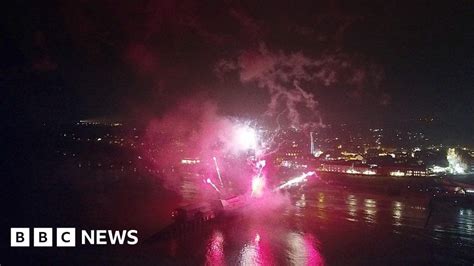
351,203
215,249
456,229
297,233
397,208
447,222
302,250
256,252
370,210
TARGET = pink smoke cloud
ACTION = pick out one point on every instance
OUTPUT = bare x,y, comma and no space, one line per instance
195,130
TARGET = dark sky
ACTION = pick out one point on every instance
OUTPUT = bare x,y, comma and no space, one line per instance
361,59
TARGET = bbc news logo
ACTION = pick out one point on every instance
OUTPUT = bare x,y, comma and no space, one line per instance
66,237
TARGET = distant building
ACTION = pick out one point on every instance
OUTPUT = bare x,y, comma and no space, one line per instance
347,167
403,170
359,168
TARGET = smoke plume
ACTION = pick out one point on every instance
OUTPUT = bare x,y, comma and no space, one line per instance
194,131
291,79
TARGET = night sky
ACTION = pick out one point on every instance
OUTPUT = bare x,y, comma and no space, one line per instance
361,60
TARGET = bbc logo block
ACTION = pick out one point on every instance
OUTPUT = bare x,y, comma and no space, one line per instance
66,237
20,237
42,237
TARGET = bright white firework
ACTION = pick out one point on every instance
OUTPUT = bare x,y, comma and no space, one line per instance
209,181
258,185
246,137
456,163
296,180
218,171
